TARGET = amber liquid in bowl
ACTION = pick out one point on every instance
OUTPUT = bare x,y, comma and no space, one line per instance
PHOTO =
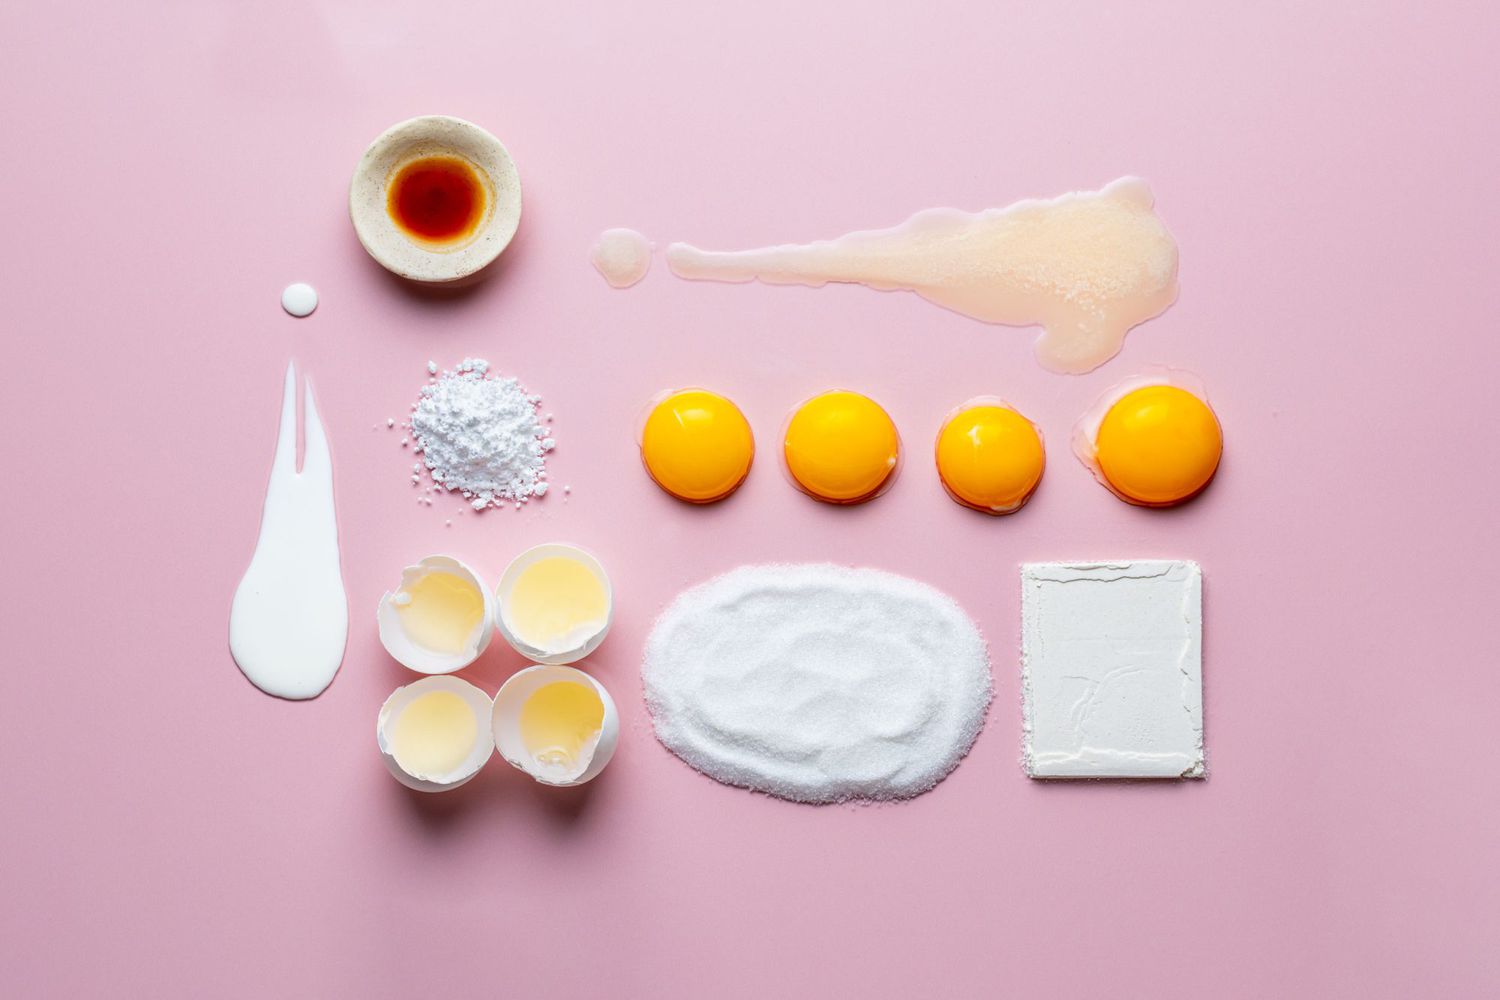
437,200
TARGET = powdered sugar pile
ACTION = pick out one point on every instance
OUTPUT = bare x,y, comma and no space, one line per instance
479,434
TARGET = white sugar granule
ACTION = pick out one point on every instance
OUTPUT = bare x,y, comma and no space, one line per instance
479,434
817,683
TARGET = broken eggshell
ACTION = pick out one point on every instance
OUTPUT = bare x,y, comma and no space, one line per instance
413,655
506,721
484,743
575,651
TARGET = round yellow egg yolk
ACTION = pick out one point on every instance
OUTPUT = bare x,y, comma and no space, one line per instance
697,445
1158,445
989,457
841,447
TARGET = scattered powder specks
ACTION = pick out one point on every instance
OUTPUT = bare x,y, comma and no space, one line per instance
479,435
817,683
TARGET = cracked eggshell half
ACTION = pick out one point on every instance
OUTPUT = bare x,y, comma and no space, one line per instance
573,596
404,767
413,640
510,731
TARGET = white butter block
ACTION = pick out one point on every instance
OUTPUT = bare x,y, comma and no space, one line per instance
1111,669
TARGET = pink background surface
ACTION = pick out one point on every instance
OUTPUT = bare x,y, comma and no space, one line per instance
1329,174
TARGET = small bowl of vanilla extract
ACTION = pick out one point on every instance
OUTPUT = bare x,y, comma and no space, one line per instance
435,199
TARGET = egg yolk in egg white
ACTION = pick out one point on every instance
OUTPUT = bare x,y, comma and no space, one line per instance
1158,445
841,447
697,445
989,457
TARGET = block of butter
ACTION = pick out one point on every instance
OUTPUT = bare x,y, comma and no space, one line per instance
1111,669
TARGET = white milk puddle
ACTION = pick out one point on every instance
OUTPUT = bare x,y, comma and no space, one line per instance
290,617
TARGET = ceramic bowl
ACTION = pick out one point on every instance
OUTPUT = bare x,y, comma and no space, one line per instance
413,139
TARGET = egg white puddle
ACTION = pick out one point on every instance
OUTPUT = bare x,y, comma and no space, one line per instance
1087,266
818,683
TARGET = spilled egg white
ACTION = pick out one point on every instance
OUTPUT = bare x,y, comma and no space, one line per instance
506,721
1086,430
577,645
484,743
412,654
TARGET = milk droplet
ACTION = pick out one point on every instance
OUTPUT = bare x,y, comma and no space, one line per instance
299,299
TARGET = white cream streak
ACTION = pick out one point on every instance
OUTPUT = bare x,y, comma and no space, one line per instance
290,617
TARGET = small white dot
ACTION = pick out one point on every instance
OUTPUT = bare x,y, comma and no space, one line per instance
299,299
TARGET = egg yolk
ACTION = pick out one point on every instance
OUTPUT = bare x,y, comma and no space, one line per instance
841,447
1158,445
990,458
697,445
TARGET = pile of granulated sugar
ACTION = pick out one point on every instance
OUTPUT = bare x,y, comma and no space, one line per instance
479,434
817,683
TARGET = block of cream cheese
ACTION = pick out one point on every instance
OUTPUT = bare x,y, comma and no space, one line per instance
1111,669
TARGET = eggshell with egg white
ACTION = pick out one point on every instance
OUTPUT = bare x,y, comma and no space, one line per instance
506,720
417,657
520,564
484,742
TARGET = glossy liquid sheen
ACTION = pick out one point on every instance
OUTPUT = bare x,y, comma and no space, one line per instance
561,722
434,735
290,616
440,611
437,199
556,604
1086,266
623,256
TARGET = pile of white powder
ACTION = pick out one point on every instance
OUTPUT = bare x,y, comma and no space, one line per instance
480,435
818,683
